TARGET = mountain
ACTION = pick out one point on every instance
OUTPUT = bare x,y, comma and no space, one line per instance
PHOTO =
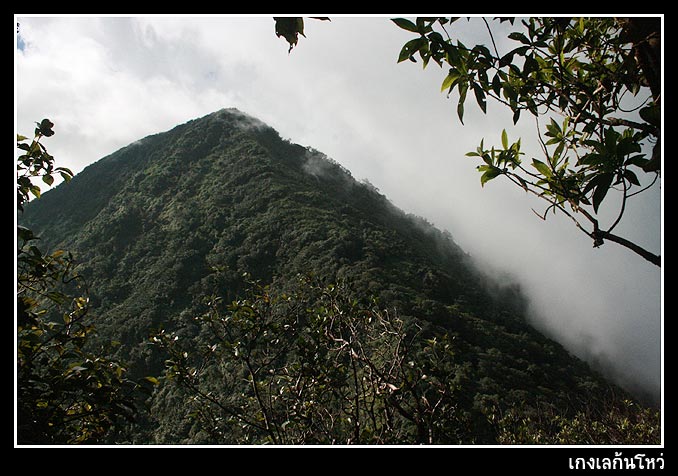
174,222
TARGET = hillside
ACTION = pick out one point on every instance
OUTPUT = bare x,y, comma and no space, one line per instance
165,225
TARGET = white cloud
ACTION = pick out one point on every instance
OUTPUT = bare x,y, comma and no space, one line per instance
108,82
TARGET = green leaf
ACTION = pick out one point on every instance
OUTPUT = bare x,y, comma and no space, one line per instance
637,160
20,138
153,380
496,84
556,155
597,146
410,48
504,139
64,170
463,89
611,139
580,26
289,28
421,25
553,129
48,179
480,96
449,80
519,37
631,177
651,114
592,183
436,37
24,233
541,167
489,175
523,183
520,51
530,65
45,128
516,116
566,124
603,185
506,59
405,24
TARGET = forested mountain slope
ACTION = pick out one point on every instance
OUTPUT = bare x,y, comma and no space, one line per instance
167,224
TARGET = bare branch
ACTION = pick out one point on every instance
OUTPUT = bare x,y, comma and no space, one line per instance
651,257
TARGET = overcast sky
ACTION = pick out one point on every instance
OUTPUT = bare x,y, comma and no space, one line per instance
106,82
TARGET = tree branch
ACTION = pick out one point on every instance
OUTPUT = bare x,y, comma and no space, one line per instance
623,208
597,235
615,121
262,407
489,30
651,257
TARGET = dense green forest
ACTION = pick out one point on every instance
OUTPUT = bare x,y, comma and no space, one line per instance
273,298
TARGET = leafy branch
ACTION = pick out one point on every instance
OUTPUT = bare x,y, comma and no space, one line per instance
579,69
66,393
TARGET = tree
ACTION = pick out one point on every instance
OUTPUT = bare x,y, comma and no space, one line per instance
317,367
66,392
581,78
580,69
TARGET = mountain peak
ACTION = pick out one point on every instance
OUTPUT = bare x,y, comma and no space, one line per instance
233,117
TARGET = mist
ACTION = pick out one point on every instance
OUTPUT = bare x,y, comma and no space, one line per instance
113,81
